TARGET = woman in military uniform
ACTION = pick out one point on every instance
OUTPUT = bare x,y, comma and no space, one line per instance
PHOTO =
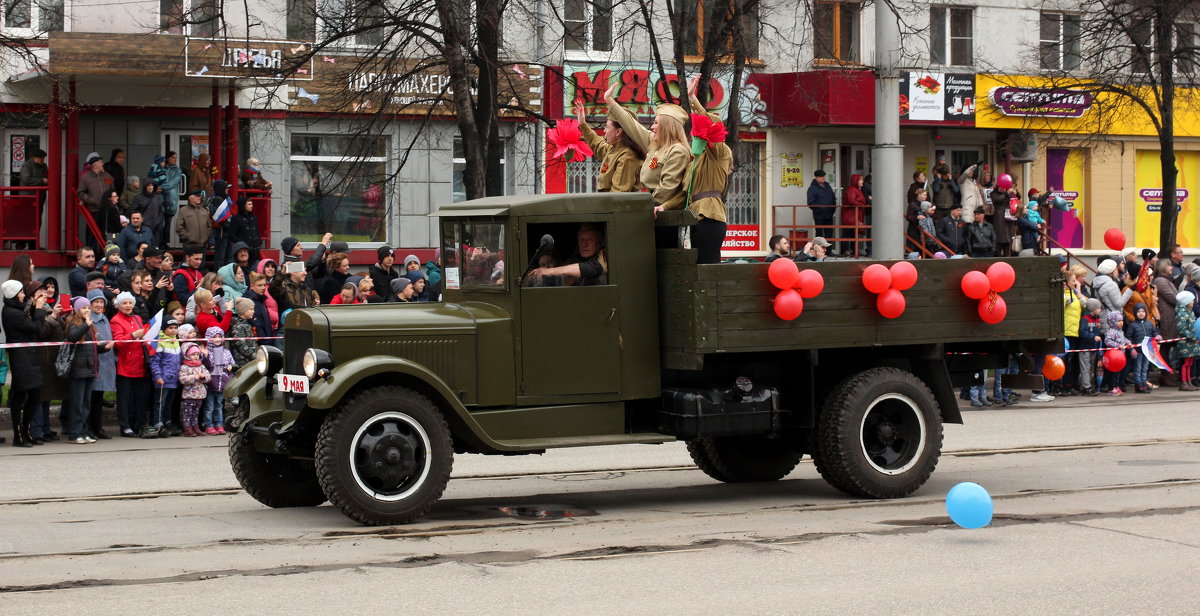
665,144
620,158
705,181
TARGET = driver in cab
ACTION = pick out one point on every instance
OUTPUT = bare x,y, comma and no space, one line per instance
588,267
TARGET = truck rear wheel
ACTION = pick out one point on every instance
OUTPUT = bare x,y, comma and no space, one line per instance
879,434
738,459
384,456
274,480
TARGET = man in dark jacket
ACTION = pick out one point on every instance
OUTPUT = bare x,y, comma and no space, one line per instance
85,262
292,252
24,398
981,236
243,227
820,193
383,272
133,234
952,230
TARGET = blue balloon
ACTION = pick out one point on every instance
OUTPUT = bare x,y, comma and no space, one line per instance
969,505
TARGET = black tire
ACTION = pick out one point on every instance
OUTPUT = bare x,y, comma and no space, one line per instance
738,459
879,434
273,479
384,456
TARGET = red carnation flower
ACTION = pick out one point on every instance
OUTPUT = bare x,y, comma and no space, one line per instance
567,140
705,128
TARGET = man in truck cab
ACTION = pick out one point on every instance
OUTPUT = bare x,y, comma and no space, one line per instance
588,267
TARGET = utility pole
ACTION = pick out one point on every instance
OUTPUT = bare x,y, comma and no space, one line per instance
887,155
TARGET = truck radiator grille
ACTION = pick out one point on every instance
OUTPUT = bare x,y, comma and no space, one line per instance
437,354
295,343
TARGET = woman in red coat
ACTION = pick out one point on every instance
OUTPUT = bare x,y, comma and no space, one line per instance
854,212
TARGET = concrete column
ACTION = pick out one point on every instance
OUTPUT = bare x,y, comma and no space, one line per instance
887,155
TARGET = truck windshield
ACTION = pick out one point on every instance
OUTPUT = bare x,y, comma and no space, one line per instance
474,254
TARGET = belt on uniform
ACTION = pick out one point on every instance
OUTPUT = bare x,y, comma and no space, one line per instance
712,194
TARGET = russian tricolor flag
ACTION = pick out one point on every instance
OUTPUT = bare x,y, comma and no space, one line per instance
152,329
223,211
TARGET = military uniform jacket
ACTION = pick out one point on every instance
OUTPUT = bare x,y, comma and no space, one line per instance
619,164
709,175
663,170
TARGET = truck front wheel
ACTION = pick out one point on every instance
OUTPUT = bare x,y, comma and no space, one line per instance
274,480
384,456
879,434
737,459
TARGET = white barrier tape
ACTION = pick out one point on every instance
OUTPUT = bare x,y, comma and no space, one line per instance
22,345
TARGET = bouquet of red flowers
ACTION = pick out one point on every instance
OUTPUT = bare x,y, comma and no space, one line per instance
706,132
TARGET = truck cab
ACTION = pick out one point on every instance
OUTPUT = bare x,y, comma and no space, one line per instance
365,405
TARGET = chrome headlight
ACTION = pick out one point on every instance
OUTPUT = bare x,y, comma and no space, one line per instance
268,360
316,363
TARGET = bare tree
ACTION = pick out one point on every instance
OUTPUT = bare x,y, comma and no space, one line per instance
1131,58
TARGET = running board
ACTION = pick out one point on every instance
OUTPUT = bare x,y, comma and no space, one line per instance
644,438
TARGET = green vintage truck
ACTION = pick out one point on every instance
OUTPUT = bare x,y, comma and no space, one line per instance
366,405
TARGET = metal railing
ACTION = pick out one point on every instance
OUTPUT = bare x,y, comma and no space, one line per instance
21,216
853,239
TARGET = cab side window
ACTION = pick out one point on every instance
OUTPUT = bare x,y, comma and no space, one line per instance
576,256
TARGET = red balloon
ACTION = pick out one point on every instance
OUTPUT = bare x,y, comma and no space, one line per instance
975,284
788,304
1114,239
810,284
1054,368
904,275
783,273
1004,181
992,313
890,303
1114,360
1002,276
876,278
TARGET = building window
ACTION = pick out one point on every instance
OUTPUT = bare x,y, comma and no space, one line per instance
712,16
193,17
1186,43
301,20
587,25
459,189
836,31
339,187
1059,45
32,17
1141,48
367,18
950,36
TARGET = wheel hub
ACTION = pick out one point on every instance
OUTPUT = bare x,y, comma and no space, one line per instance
389,456
892,434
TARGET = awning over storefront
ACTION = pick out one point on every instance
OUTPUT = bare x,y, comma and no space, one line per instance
847,98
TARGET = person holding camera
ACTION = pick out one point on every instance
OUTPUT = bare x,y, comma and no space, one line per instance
945,191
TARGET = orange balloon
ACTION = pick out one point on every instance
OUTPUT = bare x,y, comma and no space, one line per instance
1054,368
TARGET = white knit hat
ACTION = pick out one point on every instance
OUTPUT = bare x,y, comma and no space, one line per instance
1183,298
11,288
1106,267
122,296
1129,250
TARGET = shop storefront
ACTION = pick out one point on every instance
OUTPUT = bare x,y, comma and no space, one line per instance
1106,165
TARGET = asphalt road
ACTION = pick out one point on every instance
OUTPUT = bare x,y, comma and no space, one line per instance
1097,510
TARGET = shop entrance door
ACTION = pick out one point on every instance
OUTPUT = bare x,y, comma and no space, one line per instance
18,143
829,158
21,214
960,157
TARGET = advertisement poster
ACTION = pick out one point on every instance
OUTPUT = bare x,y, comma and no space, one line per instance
921,164
1148,200
199,146
745,238
791,170
937,97
1064,178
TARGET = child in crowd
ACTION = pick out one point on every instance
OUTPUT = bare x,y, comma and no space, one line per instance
219,362
241,329
1090,337
176,311
193,376
1188,349
348,295
112,267
1136,331
164,369
1115,338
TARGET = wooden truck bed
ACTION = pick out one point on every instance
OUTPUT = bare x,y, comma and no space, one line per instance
727,308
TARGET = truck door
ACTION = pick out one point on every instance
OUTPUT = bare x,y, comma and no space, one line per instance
570,328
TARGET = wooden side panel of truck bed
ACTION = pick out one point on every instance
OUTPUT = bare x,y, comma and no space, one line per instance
727,308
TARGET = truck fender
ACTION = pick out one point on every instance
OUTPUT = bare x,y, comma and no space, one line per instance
327,392
243,380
